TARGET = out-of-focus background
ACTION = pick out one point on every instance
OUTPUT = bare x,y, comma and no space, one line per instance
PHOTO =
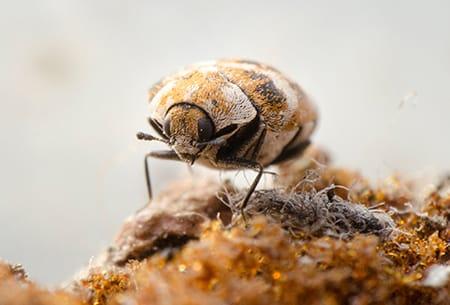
74,77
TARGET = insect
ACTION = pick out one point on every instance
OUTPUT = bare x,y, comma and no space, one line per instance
229,114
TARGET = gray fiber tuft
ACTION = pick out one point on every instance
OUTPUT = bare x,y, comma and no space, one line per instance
316,213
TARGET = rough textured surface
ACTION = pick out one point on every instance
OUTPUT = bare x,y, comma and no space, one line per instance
172,219
301,244
15,289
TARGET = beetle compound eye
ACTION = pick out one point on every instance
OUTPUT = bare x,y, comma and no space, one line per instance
166,127
205,129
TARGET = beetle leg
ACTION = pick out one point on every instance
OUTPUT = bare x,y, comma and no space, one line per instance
258,147
239,162
242,163
258,166
259,142
162,154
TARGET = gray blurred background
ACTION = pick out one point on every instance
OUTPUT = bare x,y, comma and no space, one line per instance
74,77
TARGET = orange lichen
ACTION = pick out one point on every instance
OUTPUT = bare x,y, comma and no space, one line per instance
16,290
263,262
413,253
437,205
105,285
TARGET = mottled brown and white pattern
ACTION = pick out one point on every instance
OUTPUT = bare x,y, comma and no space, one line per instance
230,114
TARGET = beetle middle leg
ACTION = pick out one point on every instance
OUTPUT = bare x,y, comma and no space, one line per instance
242,163
236,162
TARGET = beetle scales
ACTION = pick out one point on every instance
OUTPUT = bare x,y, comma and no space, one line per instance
230,114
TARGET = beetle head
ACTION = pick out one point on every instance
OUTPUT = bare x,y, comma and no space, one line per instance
187,127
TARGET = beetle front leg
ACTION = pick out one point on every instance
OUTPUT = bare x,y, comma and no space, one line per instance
242,163
162,154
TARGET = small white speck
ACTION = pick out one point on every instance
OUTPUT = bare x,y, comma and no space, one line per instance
437,276
410,98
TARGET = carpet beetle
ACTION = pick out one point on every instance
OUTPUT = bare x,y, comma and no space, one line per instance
230,114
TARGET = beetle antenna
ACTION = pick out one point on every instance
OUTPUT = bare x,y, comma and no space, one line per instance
149,137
